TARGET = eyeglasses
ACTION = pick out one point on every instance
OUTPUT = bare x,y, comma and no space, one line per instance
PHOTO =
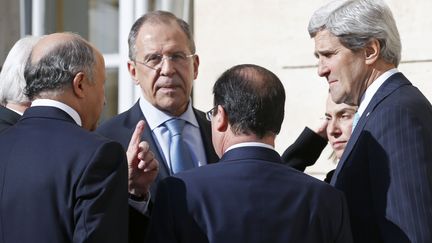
154,61
209,114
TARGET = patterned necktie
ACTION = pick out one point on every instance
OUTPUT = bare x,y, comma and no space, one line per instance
355,120
178,151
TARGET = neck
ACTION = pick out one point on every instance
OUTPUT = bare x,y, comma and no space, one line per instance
236,139
377,70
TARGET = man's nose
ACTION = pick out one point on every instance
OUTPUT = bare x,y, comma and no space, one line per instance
323,69
167,66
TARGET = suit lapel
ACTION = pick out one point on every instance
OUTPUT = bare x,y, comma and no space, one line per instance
389,86
136,115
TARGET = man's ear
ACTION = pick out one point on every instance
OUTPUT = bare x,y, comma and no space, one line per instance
132,71
78,84
372,51
221,119
195,65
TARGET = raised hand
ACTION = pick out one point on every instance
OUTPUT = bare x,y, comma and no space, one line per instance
142,166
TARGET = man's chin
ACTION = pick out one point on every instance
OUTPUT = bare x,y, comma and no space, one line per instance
172,107
337,98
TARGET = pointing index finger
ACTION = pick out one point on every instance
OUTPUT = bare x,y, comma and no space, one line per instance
136,136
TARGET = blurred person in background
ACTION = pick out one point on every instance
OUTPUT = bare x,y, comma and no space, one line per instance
335,130
13,101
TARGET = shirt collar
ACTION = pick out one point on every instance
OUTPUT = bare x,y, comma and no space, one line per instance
249,144
159,117
373,88
62,106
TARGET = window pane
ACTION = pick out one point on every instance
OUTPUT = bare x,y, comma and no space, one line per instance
103,24
111,94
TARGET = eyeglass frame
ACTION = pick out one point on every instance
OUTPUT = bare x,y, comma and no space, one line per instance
162,57
210,113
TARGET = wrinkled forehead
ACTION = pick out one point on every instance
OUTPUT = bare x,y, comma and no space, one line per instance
161,36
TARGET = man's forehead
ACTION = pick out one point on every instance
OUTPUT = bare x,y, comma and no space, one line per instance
154,38
325,37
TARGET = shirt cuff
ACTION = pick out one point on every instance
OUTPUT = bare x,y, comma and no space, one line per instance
140,206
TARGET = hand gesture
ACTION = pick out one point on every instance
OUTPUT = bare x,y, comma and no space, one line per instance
322,129
142,166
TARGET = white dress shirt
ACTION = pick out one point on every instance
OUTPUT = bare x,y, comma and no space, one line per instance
249,144
191,132
62,106
372,89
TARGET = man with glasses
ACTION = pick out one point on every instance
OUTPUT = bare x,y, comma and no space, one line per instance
164,64
249,196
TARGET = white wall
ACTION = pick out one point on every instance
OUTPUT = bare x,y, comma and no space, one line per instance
273,34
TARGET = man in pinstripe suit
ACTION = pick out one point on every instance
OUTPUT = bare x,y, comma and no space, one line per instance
386,168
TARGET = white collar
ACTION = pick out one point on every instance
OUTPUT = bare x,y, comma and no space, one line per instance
249,144
159,117
62,106
373,88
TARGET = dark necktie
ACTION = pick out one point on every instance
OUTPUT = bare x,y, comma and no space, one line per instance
178,151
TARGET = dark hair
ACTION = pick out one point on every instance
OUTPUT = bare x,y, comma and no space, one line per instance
253,98
157,17
56,70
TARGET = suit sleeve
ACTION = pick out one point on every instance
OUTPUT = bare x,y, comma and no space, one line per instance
305,150
101,208
162,219
401,174
344,234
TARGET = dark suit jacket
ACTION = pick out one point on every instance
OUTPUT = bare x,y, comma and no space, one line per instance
7,118
249,196
121,127
386,169
60,183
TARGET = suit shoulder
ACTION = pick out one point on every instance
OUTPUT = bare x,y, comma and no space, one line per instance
114,121
200,114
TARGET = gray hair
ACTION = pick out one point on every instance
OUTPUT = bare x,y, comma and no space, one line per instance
357,22
12,82
55,71
157,17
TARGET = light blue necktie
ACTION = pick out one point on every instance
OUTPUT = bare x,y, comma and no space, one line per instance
178,151
355,120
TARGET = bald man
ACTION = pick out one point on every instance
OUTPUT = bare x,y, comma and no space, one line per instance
58,181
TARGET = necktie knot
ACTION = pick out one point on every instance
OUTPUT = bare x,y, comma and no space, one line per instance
175,126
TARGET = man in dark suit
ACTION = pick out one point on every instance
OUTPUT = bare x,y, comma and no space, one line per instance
249,195
13,102
386,168
60,182
164,64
